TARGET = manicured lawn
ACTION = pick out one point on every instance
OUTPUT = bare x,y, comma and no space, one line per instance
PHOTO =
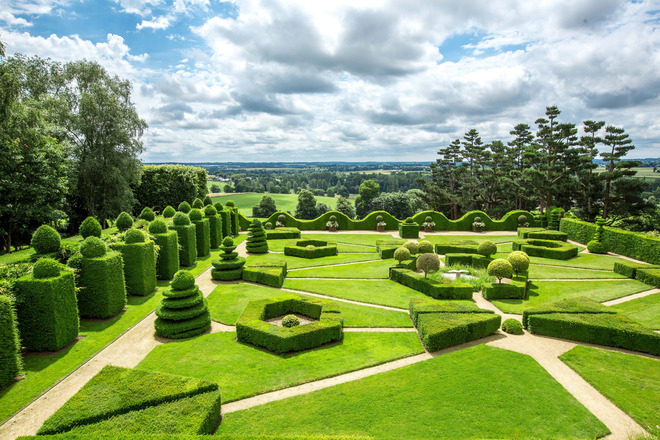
297,262
362,239
444,238
278,245
242,370
631,382
384,292
585,261
373,269
549,291
479,392
227,302
538,272
645,310
283,202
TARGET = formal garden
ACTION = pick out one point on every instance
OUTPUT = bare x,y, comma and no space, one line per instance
199,321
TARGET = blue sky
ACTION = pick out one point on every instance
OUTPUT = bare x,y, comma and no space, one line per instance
301,80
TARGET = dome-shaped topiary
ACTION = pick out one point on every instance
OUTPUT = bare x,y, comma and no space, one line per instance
401,254
46,268
46,240
90,227
147,214
487,248
197,203
195,215
208,201
500,268
157,227
181,219
124,221
92,247
412,247
290,321
182,280
429,263
227,242
333,218
184,207
512,326
596,247
519,261
477,220
210,210
379,218
218,206
522,219
428,219
230,203
409,220
425,247
169,212
134,236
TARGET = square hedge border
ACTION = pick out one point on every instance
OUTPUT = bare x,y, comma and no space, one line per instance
430,287
321,249
556,250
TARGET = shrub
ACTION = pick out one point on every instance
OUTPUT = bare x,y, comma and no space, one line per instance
387,247
169,212
487,248
290,321
433,288
648,276
229,266
412,247
283,233
519,261
230,203
573,305
134,236
147,214
202,232
157,227
269,274
124,221
428,263
281,221
46,240
514,290
457,247
597,247
522,221
420,306
168,256
215,226
256,240
546,248
210,210
512,326
442,330
409,229
320,249
139,257
195,215
11,363
92,247
184,207
208,201
401,254
425,247
218,206
181,219
184,311
90,227
102,287
543,234
46,268
500,268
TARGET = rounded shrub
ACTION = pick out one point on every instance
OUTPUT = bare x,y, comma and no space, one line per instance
46,268
90,227
157,227
228,241
182,280
428,219
477,220
522,219
230,203
46,240
512,326
197,203
290,321
596,247
124,221
181,219
169,212
195,215
519,261
401,254
333,218
218,206
379,218
412,247
92,247
428,263
147,214
207,201
184,207
281,218
500,268
311,247
210,210
487,248
134,236
425,247
409,220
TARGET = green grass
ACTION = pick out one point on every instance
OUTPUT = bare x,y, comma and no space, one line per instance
538,272
278,246
631,382
542,292
372,269
227,302
297,262
584,261
432,400
384,292
283,202
361,239
445,238
242,370
645,310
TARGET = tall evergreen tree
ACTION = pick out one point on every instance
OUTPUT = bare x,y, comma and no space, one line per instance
519,150
589,183
617,143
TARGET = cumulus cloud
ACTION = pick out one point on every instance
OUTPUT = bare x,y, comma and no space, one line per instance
159,23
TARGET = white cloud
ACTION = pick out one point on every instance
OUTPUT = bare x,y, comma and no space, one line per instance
159,23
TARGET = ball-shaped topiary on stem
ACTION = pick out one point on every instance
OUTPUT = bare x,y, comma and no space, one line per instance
500,268
519,261
182,280
379,218
181,219
210,210
487,248
197,204
428,263
124,221
401,254
428,219
90,227
522,220
46,240
169,212
184,207
195,215
512,326
477,220
46,268
425,247
290,321
92,247
147,214
157,227
412,247
134,236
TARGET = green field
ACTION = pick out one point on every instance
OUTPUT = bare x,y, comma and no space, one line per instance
284,202
645,172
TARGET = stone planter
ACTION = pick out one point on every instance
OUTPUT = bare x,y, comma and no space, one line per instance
332,229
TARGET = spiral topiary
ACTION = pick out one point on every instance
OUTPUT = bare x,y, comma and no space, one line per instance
290,321
428,263
134,236
90,227
181,219
46,240
512,326
124,221
425,247
184,310
182,280
157,227
227,242
500,268
195,215
46,268
412,247
169,212
184,207
147,214
208,201
256,240
210,210
401,254
197,204
519,261
487,248
92,247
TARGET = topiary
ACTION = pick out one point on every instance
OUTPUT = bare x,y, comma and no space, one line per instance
487,248
184,207
512,326
230,203
281,220
227,242
401,254
210,210
197,203
169,212
134,236
333,218
208,201
157,227
519,261
596,247
147,214
428,219
477,220
92,247
218,206
124,221
425,247
500,268
46,240
409,220
311,247
429,263
181,219
46,268
90,227
412,247
379,218
522,221
290,321
195,214
182,280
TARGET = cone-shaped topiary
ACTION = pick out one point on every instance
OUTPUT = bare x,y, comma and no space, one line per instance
202,232
134,236
218,206
207,201
229,266
139,255
210,210
195,214
186,234
256,241
184,311
147,214
167,263
184,207
46,240
124,221
90,227
215,226
230,203
169,212
197,203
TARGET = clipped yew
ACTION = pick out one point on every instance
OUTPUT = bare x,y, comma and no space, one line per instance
197,204
202,232
90,227
208,201
229,266
184,207
184,311
139,255
46,240
167,263
11,362
147,214
215,226
256,240
124,221
169,212
187,236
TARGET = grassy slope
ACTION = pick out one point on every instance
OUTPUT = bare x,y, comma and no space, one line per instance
631,382
644,310
429,400
242,370
283,202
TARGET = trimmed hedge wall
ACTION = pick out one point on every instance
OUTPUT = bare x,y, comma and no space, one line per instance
456,247
272,274
225,219
649,276
419,306
474,260
139,267
282,233
555,250
514,290
235,221
579,304
102,292
11,363
442,330
386,248
544,234
187,236
229,266
168,256
47,311
252,327
409,230
631,244
431,287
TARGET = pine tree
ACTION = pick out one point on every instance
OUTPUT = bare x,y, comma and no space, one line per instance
618,144
589,183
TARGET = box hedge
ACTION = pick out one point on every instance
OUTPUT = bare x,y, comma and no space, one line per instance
272,274
11,363
409,229
167,263
311,249
573,305
282,233
420,306
456,247
46,310
431,287
442,330
629,268
187,237
474,260
552,249
184,311
545,234
386,248
648,276
139,266
513,290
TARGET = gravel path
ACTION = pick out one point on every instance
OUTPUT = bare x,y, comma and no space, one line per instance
630,297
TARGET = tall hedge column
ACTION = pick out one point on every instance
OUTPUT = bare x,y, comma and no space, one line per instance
215,224
186,234
184,311
256,241
10,348
139,257
202,231
167,263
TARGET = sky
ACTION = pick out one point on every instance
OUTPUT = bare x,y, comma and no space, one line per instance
347,80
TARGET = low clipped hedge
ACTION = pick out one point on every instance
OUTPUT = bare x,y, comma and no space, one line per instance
311,249
202,237
150,436
629,268
431,287
386,248
11,363
552,249
102,287
513,290
547,235
442,330
272,274
139,266
187,238
282,233
409,229
648,276
631,244
167,263
252,327
474,260
573,305
456,247
419,306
